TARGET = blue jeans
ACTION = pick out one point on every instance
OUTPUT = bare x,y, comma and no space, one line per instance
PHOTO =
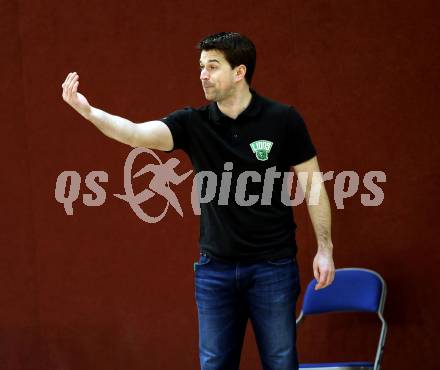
228,294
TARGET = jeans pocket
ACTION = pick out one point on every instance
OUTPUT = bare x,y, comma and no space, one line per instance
281,261
204,259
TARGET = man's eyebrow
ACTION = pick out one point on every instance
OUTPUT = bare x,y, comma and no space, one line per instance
211,61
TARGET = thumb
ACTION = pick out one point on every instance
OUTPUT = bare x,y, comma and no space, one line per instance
316,271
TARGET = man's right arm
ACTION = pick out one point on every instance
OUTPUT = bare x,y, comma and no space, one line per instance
152,134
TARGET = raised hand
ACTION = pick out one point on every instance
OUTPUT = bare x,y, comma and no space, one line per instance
72,97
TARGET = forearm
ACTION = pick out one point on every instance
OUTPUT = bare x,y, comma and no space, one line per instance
318,206
323,265
320,215
115,127
152,134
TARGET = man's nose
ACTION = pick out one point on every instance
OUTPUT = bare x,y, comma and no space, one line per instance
204,74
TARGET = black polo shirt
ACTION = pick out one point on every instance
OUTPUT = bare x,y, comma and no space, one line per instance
267,134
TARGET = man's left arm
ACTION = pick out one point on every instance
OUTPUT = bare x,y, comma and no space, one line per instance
318,206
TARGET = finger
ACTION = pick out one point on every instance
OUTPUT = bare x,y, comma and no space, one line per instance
331,277
75,87
64,87
64,83
322,279
316,273
328,280
71,82
70,86
69,79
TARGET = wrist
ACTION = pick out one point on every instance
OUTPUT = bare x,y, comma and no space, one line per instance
88,113
325,246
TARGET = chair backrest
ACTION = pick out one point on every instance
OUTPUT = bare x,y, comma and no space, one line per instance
353,289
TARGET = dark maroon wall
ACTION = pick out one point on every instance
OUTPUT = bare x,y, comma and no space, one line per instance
101,288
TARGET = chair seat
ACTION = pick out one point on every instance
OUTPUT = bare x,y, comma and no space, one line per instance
339,366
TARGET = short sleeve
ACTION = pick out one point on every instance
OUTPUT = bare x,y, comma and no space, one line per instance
177,122
299,143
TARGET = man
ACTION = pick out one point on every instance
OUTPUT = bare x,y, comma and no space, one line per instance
247,267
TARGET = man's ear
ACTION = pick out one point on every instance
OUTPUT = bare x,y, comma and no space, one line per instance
240,72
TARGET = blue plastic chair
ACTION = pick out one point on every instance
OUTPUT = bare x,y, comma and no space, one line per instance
353,289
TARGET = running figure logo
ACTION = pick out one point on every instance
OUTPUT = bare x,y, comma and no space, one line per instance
164,173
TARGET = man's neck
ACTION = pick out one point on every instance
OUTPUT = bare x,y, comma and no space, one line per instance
236,104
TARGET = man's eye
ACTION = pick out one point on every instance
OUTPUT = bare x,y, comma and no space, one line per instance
208,67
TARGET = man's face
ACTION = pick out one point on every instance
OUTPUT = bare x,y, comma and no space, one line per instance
216,75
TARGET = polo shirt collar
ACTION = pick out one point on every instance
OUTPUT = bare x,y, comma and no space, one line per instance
254,107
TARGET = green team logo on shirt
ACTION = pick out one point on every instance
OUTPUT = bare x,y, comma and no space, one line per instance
261,148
